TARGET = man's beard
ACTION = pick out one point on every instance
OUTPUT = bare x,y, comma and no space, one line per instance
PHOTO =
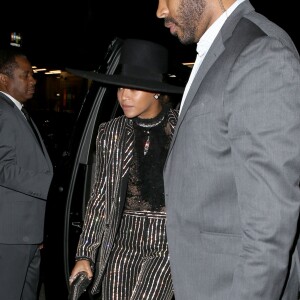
189,14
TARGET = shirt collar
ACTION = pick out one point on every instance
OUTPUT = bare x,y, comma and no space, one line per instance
210,34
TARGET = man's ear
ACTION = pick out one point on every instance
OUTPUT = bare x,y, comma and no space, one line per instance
3,79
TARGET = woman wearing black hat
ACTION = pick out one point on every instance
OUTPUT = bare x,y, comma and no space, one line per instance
124,235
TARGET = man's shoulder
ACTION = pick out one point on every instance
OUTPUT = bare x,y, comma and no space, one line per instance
272,29
5,102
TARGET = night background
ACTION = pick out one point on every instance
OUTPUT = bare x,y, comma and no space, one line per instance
64,33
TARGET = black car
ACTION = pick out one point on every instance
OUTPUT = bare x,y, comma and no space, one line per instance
73,178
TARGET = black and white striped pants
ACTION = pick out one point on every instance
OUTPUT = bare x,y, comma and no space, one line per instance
138,267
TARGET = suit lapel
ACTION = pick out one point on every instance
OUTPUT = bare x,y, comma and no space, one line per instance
44,151
212,55
20,114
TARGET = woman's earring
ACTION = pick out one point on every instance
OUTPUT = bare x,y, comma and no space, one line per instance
156,96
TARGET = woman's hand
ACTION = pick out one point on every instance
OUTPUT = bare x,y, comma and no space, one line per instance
82,265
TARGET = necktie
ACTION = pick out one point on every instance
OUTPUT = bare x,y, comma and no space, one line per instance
28,118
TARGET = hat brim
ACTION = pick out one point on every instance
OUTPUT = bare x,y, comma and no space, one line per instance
128,82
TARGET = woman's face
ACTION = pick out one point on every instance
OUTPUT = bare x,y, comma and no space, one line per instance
137,103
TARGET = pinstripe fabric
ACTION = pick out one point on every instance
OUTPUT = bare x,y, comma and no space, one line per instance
139,264
114,148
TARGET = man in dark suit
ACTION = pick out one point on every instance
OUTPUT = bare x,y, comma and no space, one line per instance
25,176
233,168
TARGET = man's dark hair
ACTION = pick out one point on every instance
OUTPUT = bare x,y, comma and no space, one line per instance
8,60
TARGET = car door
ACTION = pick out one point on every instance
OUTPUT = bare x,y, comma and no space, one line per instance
73,181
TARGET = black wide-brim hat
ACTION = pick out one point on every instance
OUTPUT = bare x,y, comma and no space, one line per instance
143,65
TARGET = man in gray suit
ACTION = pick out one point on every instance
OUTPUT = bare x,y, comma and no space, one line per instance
232,173
25,177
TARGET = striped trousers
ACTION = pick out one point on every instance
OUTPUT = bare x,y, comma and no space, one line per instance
138,268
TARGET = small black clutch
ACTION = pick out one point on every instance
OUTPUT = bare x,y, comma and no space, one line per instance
79,286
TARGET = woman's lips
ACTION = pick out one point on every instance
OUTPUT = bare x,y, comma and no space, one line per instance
126,107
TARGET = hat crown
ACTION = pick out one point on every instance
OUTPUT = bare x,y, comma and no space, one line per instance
140,58
143,65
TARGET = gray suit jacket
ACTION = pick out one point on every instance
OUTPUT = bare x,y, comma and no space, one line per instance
232,174
25,177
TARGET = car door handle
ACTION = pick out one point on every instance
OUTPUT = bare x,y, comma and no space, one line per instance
77,224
